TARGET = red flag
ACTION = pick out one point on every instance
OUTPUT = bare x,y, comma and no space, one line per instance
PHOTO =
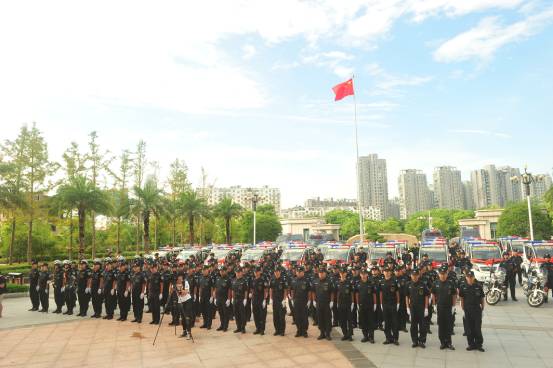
343,89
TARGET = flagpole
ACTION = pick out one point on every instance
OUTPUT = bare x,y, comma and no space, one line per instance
359,207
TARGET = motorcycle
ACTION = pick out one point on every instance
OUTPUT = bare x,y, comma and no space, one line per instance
494,286
533,287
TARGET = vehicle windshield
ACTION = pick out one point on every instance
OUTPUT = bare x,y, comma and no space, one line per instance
435,254
517,246
377,253
336,254
292,255
185,254
252,255
220,253
485,252
542,250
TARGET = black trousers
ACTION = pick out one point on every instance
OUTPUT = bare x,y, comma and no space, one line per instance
510,281
473,325
444,324
519,275
58,297
110,302
366,319
354,315
70,299
418,324
35,299
155,307
137,305
345,318
429,317
324,318
378,317
279,316
240,314
186,311
402,314
97,300
124,304
300,315
390,315
259,314
335,319
206,311
248,309
223,313
84,299
43,296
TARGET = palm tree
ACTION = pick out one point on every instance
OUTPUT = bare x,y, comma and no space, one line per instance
121,210
171,213
81,194
192,207
227,210
150,201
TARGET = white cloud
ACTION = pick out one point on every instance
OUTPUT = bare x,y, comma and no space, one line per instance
248,51
423,9
481,132
482,41
390,84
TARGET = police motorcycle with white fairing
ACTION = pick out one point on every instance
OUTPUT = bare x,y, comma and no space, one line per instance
494,285
533,287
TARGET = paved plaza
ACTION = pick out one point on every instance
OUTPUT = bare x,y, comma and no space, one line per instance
515,335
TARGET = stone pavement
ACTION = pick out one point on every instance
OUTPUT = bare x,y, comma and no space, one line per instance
514,334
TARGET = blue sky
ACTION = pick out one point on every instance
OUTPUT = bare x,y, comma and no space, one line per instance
243,88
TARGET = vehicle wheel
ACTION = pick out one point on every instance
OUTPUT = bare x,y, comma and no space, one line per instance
493,297
535,300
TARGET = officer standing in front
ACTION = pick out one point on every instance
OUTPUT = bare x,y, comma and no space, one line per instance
57,285
96,281
138,285
205,285
221,298
43,287
299,295
279,291
344,298
444,294
323,296
108,289
260,293
33,283
417,307
239,295
123,291
155,289
389,297
366,300
83,290
472,303
509,265
69,287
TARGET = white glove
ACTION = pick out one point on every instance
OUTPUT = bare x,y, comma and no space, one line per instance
264,304
374,308
62,288
331,305
227,302
452,310
211,300
426,312
352,306
284,304
308,302
112,292
408,311
141,295
126,293
99,291
245,302
381,307
397,307
314,304
160,296
214,301
250,295
37,288
87,290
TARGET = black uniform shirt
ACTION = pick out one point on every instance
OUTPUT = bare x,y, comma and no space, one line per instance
301,288
222,285
471,294
82,279
239,288
323,290
389,289
278,286
444,291
33,278
258,288
122,278
43,278
137,280
366,290
417,291
95,283
153,284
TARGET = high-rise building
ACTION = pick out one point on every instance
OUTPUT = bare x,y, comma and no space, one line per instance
510,191
414,195
243,196
486,187
538,188
394,208
468,201
373,183
448,187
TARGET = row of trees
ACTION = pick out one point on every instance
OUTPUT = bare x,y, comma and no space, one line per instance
125,192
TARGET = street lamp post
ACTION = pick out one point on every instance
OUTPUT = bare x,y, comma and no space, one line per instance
255,198
526,179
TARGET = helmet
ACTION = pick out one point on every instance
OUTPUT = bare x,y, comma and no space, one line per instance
57,262
97,261
107,259
66,262
84,261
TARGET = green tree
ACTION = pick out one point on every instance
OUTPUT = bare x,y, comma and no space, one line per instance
193,207
446,220
268,225
348,221
81,194
548,201
227,210
514,221
120,194
139,169
178,184
150,200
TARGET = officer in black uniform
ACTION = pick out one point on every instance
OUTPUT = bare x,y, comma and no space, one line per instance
69,287
278,293
138,289
205,286
323,296
417,307
376,278
83,288
509,265
123,291
299,294
344,298
43,287
57,277
166,278
221,296
96,281
33,283
260,294
366,301
108,289
429,277
547,267
240,289
402,281
389,297
444,294
472,303
155,289
355,278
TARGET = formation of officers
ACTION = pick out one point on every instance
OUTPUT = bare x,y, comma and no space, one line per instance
384,296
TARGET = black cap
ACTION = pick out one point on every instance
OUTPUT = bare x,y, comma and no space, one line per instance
300,269
469,274
415,271
443,269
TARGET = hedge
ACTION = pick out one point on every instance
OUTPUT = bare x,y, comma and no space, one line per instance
16,288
